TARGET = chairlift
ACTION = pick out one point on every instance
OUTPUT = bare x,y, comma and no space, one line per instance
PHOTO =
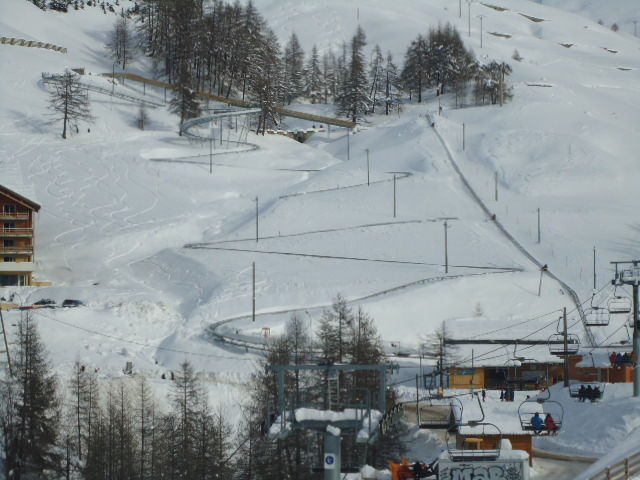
541,406
438,413
619,305
556,344
476,446
574,390
597,317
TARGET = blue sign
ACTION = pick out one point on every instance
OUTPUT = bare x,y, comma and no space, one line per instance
329,461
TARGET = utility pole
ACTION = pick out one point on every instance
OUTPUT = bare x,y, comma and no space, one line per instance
417,399
257,220
348,144
446,249
210,155
473,372
463,135
480,17
542,270
253,277
566,347
394,195
368,183
538,225
460,9
469,4
635,27
594,268
631,276
496,184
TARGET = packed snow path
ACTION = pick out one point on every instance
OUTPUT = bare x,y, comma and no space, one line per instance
511,238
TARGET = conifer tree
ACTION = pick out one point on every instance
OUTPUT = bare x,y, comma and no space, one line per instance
376,75
293,69
314,88
392,86
31,423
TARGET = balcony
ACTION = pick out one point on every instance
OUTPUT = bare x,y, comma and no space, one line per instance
16,267
16,250
14,215
16,232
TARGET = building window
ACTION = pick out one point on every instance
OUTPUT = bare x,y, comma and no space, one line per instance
9,225
9,280
9,209
9,259
9,242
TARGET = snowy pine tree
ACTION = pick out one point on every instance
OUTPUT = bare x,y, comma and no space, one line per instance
293,70
314,87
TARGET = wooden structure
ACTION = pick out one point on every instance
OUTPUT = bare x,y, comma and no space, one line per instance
16,238
519,441
535,375
623,470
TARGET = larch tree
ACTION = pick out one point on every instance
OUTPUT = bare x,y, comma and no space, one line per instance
123,43
69,102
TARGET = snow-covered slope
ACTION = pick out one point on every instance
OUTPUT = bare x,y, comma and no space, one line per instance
114,219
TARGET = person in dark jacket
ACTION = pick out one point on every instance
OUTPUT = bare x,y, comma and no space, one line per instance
537,423
582,393
589,393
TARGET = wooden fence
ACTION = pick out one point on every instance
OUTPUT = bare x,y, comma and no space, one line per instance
623,470
31,43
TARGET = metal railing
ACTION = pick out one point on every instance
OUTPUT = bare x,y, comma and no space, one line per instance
623,470
56,78
14,216
240,103
19,250
15,232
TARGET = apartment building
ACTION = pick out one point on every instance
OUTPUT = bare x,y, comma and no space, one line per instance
17,234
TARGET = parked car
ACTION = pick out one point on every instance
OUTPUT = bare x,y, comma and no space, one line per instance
44,303
72,303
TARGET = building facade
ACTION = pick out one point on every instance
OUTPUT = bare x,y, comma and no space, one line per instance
17,235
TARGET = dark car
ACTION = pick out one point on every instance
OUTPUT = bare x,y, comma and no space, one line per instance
44,303
72,303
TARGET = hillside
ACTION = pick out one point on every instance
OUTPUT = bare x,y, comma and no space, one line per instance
119,204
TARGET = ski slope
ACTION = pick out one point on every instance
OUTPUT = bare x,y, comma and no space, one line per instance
115,220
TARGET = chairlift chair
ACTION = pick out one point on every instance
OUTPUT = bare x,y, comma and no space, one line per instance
468,450
619,305
556,344
574,389
542,406
440,415
471,449
597,317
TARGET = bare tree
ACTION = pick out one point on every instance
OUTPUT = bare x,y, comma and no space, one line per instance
122,44
143,117
69,102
